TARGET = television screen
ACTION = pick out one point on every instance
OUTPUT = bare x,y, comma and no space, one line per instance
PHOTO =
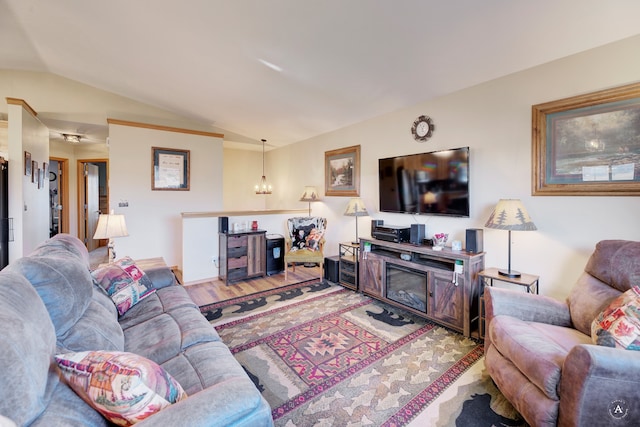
434,183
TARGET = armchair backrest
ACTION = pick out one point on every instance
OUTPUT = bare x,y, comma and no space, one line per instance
612,269
306,232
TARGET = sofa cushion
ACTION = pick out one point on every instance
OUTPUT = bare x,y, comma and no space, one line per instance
63,244
163,337
162,301
27,345
123,387
618,325
98,328
537,349
204,365
587,299
125,283
63,283
615,262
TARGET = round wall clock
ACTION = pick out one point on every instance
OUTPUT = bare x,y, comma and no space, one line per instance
422,128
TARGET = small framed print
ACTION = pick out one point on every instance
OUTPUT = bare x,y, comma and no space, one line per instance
40,178
27,163
34,171
169,169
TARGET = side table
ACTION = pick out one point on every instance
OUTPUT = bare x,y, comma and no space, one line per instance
530,282
348,265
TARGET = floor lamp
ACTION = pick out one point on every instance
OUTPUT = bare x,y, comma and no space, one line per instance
310,194
510,214
356,208
109,227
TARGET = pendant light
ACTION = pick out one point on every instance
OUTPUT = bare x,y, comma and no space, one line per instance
263,187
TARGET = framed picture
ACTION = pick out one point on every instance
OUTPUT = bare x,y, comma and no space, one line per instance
34,171
342,172
40,178
169,169
27,163
588,145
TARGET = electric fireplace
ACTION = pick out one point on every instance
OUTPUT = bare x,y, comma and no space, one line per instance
407,286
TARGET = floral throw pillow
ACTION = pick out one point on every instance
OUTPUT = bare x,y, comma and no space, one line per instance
125,283
619,324
124,387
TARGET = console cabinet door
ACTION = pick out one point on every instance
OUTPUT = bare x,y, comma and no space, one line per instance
446,300
371,274
256,254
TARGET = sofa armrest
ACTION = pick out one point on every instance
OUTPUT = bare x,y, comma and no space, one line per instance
524,306
599,386
223,404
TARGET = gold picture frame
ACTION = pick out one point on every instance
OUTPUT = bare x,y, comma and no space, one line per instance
588,145
342,172
170,169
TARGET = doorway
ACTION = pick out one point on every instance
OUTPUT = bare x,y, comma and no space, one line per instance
58,195
93,199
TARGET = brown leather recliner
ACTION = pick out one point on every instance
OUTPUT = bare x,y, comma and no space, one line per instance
540,354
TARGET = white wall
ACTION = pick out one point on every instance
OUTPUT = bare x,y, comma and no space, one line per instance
154,217
242,171
494,120
26,200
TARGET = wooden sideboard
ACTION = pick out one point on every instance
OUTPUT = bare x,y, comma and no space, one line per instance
442,286
242,255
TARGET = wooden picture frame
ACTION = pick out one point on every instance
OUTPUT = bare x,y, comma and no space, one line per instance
170,169
34,171
342,172
588,145
27,163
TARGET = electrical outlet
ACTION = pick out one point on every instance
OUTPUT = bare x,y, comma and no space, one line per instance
123,204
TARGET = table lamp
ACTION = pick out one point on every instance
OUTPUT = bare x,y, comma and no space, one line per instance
109,227
356,208
510,214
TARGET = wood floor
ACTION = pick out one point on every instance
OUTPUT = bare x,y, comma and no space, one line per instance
217,290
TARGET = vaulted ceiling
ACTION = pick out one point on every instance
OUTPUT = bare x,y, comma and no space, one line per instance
288,70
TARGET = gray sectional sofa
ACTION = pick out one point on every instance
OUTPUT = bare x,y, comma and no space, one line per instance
50,305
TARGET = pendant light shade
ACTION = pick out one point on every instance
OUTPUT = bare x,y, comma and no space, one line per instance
263,187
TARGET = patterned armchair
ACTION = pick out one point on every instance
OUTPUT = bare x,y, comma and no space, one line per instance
304,242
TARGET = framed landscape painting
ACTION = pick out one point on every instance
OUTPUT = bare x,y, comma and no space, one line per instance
342,172
588,145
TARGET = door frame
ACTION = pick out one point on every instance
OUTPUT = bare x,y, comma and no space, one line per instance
63,192
81,194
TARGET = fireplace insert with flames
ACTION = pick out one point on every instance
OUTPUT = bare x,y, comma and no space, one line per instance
407,286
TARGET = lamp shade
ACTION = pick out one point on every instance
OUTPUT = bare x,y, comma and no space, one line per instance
510,214
356,208
310,194
110,226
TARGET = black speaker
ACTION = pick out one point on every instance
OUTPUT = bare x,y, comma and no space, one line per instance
417,234
223,224
375,223
331,268
474,240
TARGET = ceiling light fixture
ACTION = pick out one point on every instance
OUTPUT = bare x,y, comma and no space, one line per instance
71,138
263,187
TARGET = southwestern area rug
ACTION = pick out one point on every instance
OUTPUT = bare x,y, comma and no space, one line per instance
322,355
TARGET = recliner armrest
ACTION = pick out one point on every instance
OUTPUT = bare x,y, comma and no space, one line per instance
599,386
527,307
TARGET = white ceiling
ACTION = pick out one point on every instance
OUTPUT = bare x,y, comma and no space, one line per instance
288,70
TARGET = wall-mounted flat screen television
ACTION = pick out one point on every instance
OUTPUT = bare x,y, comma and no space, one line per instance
435,183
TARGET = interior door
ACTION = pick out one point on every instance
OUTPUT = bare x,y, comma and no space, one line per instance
92,203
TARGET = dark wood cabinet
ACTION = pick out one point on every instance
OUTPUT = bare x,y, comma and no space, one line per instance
442,286
242,255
